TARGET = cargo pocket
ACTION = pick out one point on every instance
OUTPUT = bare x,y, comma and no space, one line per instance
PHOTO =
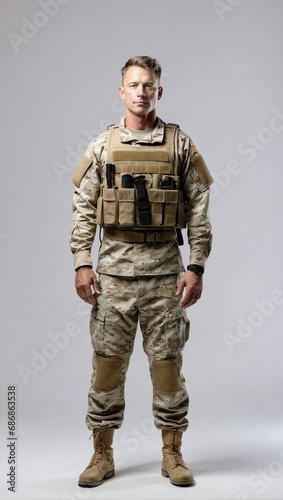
97,330
156,199
177,330
109,334
126,199
110,206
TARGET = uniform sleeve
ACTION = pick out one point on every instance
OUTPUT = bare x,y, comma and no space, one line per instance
86,183
196,179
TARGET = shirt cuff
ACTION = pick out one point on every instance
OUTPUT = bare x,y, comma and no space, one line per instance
197,260
82,258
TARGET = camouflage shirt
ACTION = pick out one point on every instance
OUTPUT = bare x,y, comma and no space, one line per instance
135,259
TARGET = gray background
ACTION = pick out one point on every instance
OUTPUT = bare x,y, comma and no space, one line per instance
222,78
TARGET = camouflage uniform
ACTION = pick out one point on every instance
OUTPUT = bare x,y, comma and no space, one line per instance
138,282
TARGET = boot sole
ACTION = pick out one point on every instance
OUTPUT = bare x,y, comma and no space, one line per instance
93,484
175,483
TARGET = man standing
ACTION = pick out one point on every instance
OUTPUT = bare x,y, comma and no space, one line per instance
142,181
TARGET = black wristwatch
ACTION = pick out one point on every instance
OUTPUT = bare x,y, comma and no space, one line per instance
199,270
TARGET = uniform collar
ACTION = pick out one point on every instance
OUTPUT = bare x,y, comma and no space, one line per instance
154,136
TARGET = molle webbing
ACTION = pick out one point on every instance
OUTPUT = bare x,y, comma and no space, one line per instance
150,197
143,168
145,158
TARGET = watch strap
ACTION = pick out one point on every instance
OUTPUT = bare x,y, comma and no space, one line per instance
199,270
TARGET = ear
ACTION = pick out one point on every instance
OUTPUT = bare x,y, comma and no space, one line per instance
122,93
160,92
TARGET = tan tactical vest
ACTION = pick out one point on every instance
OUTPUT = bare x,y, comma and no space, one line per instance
140,187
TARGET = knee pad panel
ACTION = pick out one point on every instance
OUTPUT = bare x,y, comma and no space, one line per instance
107,373
166,375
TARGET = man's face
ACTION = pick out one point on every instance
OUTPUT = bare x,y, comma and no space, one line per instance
140,90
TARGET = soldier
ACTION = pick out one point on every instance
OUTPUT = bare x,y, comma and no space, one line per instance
142,181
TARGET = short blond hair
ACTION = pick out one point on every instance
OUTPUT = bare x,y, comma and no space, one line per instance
144,62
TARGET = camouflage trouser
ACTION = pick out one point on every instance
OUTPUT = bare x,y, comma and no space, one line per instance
165,329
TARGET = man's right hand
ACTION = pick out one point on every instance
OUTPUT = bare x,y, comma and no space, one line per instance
86,284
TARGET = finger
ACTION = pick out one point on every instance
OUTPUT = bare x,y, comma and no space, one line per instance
180,288
85,293
188,302
96,287
90,298
187,296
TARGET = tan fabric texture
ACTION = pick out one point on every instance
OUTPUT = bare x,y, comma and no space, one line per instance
165,331
166,376
107,373
127,261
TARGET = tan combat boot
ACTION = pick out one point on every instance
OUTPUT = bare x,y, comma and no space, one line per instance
173,465
101,465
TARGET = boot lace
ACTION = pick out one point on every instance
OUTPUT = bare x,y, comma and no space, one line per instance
100,452
176,457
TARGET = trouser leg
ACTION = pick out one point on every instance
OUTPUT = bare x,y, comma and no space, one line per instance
112,326
106,401
165,329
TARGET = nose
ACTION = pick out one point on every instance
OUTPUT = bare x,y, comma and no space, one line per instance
141,90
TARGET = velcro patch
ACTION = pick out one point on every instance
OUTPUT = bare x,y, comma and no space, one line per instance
81,169
140,154
204,174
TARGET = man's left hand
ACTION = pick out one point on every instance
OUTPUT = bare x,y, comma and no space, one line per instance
192,283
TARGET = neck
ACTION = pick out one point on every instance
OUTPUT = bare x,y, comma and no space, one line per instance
140,122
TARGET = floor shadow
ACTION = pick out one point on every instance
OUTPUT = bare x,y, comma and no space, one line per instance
232,464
